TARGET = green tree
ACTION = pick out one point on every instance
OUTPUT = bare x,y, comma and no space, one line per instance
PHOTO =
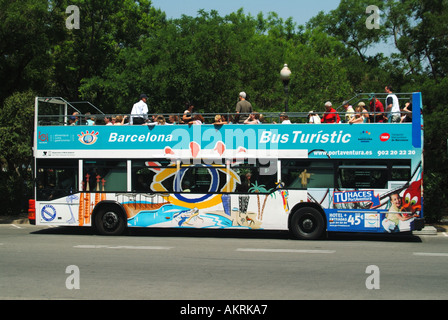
25,59
16,159
106,28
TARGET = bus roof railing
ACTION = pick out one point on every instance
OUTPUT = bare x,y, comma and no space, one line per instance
63,114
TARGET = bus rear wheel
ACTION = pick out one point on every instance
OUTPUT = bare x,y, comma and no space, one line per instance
110,222
307,224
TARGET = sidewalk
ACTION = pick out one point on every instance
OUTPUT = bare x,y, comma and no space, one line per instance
18,219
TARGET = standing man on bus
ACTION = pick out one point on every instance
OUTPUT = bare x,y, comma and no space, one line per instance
139,112
243,106
392,106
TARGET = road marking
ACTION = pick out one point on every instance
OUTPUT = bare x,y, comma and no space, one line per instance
428,254
122,247
16,226
285,251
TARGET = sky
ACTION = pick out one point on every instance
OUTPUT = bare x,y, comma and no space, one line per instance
300,10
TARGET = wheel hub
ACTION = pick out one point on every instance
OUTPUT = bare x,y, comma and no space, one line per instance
307,224
110,220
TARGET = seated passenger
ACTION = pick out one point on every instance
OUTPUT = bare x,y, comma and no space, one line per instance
376,110
219,120
119,120
253,119
173,119
90,120
313,118
330,116
359,116
108,121
197,119
349,112
72,121
284,119
408,115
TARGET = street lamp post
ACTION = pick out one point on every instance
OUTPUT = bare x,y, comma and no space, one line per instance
285,75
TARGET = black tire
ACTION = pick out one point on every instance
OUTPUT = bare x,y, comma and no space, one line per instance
307,224
109,221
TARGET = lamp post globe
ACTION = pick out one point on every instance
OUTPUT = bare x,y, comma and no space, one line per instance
285,76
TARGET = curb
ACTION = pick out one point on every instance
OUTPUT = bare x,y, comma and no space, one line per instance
14,220
426,231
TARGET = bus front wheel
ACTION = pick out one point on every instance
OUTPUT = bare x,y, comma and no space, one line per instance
109,221
307,224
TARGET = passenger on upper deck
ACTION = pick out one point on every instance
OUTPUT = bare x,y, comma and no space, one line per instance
158,121
173,119
349,112
243,106
376,110
361,116
253,119
73,119
108,121
220,120
284,119
408,116
197,119
119,120
90,120
313,118
187,117
139,112
330,116
392,106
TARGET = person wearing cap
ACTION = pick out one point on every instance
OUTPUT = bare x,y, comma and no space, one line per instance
376,109
330,116
243,106
139,112
313,118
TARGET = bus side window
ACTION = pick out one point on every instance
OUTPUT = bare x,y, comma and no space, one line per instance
259,177
301,175
401,172
114,174
363,175
56,179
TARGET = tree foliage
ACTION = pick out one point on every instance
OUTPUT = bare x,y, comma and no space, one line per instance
124,48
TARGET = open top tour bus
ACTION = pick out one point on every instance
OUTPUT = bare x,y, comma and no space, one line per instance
306,178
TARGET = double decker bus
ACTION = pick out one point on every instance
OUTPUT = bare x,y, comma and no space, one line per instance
309,179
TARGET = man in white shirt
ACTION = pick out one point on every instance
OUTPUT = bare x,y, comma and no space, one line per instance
139,112
392,106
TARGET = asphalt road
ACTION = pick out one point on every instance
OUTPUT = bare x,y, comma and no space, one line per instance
72,263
